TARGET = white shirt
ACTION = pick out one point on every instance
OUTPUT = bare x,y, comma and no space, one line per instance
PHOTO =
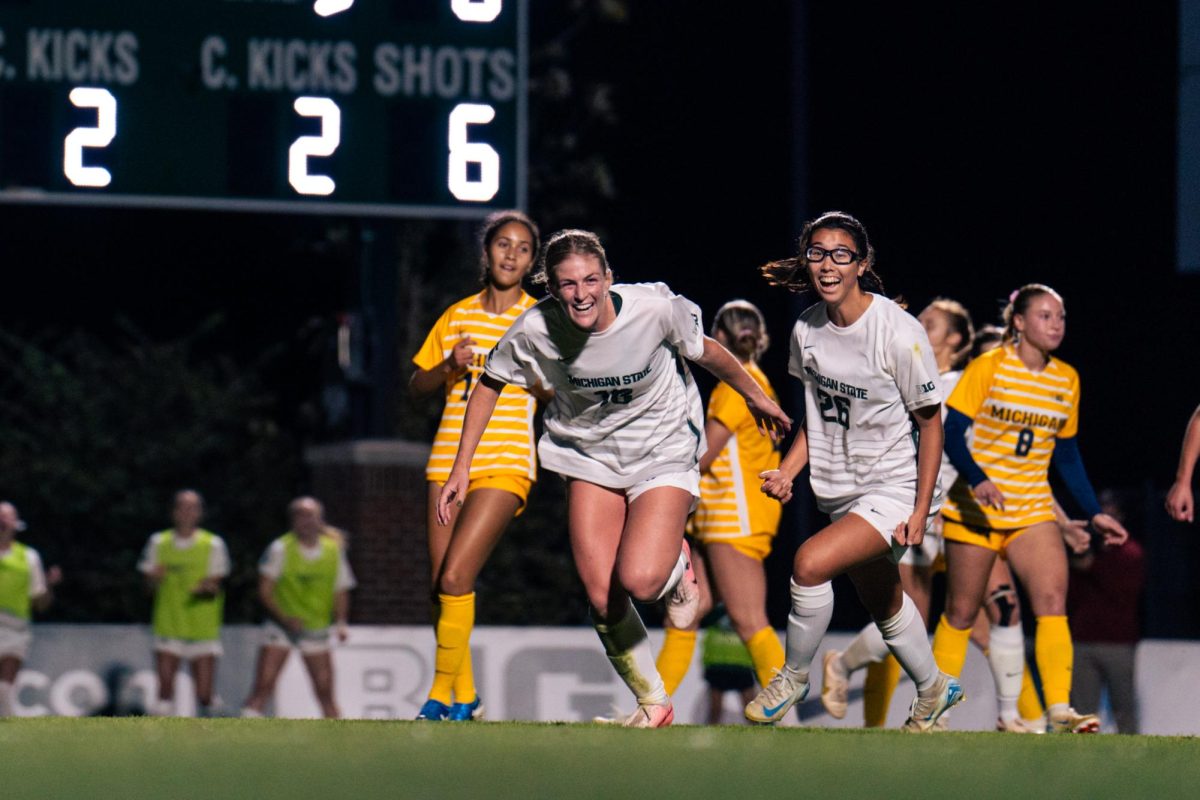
271,563
860,383
218,557
37,587
625,406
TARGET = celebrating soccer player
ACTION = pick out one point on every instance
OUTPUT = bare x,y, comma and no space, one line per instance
869,377
625,428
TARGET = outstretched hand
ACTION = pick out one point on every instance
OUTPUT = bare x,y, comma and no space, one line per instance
769,417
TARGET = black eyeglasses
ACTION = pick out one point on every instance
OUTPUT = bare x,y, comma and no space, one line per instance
838,255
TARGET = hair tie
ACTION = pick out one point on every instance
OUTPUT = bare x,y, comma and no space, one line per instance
1012,298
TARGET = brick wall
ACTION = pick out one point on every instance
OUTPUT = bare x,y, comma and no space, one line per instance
375,491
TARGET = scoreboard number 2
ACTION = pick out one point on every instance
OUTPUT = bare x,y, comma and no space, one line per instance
101,135
459,179
324,145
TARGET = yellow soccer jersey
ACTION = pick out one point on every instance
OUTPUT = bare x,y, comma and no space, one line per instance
1017,417
731,503
507,446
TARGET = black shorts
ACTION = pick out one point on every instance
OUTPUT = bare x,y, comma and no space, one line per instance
728,678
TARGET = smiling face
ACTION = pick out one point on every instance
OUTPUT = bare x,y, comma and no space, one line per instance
580,283
510,255
1043,323
834,283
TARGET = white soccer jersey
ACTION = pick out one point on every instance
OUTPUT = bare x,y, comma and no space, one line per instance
948,474
860,383
625,406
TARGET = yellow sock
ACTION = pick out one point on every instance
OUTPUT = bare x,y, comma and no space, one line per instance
767,654
453,642
1055,656
1029,705
950,647
464,681
878,688
675,657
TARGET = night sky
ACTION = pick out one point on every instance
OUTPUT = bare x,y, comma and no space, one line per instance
983,147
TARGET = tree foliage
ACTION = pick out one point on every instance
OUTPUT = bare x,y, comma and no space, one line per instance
98,436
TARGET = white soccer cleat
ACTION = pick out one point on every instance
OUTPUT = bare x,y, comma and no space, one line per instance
1019,725
925,712
783,692
162,708
835,687
684,601
651,715
1071,721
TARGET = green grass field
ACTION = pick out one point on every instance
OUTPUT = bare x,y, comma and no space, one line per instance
135,758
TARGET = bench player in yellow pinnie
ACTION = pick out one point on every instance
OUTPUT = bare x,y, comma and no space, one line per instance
24,588
304,585
185,566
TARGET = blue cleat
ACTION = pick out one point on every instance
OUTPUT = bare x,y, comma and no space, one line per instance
464,712
433,711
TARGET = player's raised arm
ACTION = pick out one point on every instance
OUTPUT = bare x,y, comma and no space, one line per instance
767,413
479,411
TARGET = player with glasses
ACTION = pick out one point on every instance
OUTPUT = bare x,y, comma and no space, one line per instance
869,379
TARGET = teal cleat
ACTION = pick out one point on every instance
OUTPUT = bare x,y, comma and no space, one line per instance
465,712
433,711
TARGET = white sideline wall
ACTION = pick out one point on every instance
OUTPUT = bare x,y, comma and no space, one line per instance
523,673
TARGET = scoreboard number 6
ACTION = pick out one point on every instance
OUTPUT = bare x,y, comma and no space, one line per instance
461,181
463,153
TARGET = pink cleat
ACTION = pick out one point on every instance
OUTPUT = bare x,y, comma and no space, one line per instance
651,715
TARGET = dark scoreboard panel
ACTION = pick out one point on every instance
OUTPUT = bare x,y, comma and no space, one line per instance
382,108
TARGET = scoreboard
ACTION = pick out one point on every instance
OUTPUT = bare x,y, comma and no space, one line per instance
401,108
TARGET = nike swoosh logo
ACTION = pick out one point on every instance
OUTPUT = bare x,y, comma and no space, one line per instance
770,712
809,346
